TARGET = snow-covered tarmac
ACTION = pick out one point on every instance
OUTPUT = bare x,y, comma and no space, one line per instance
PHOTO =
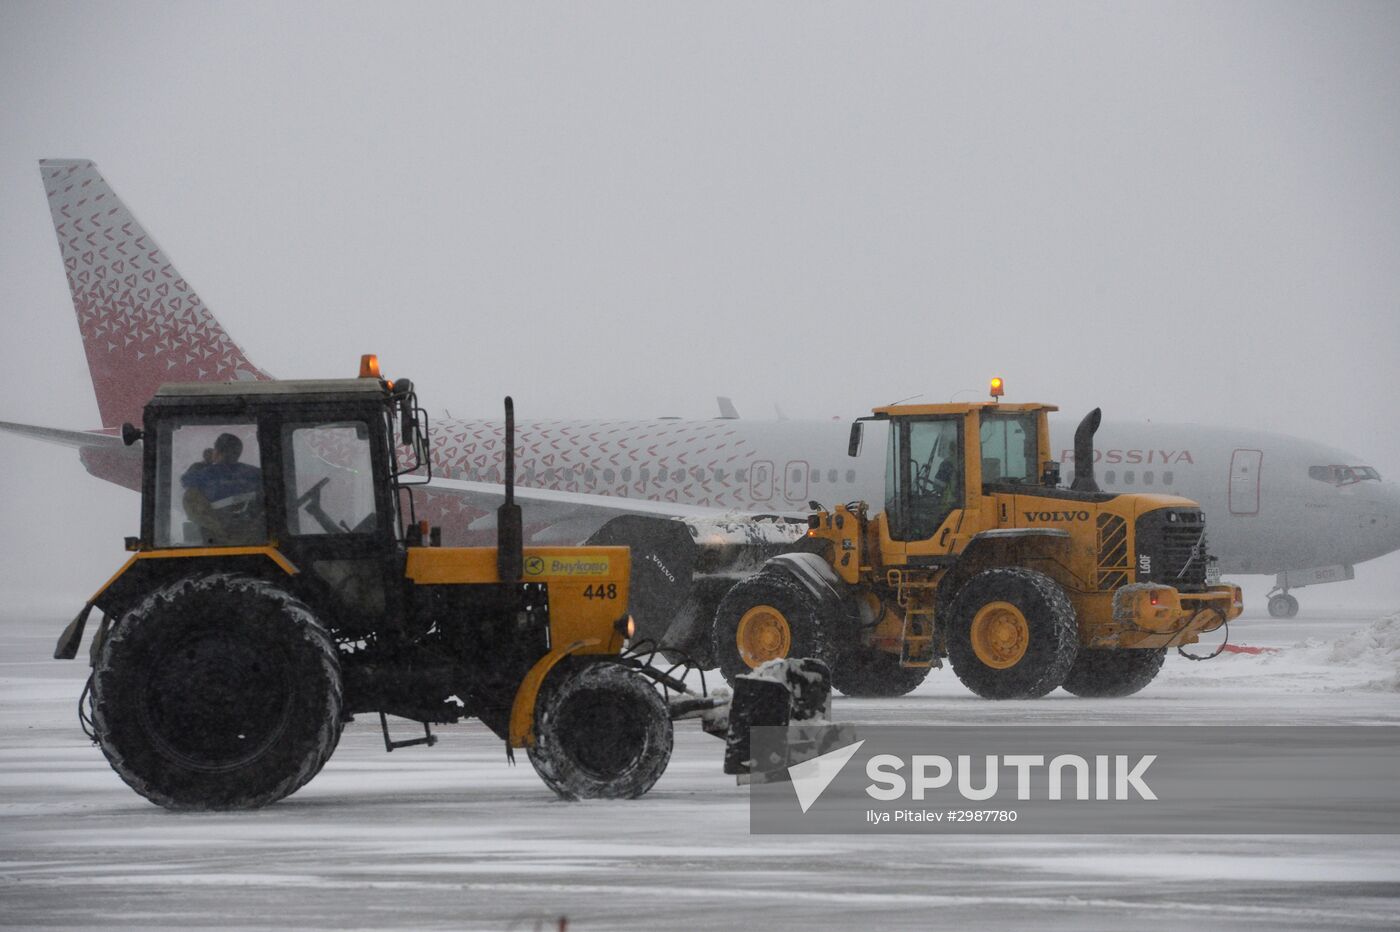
452,837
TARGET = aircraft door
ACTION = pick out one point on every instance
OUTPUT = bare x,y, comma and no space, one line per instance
795,481
1244,481
761,481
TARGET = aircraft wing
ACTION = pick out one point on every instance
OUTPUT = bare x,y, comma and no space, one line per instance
67,438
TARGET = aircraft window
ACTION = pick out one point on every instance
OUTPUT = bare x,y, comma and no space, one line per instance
1129,477
1110,477
1342,475
644,474
719,474
831,475
627,474
816,476
741,475
1147,477
609,475
1167,477
590,475
796,476
678,475
850,475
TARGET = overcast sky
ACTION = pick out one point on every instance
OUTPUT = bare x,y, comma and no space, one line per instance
1184,212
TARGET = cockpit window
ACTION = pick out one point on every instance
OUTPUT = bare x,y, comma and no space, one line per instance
1339,475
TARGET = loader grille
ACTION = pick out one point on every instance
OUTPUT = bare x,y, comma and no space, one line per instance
1171,548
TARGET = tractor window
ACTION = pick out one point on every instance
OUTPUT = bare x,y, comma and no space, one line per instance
329,478
209,487
1009,448
924,477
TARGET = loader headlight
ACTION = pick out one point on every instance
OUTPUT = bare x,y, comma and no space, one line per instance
626,627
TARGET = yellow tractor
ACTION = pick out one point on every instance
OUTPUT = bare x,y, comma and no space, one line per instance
281,584
980,557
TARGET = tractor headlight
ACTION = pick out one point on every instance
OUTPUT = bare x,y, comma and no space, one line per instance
625,626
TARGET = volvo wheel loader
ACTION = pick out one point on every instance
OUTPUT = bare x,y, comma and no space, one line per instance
281,585
978,556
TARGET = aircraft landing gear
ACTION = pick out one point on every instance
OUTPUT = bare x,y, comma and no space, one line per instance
1283,605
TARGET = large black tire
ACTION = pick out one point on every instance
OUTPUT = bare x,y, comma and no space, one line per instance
1113,673
217,692
864,672
1037,659
601,732
776,617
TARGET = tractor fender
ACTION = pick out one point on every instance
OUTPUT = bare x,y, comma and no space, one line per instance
815,575
145,568
522,709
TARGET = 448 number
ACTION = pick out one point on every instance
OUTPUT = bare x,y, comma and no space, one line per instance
601,591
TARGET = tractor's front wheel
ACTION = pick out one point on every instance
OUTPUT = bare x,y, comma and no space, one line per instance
602,731
217,692
1013,634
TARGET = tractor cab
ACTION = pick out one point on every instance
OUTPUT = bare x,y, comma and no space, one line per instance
303,468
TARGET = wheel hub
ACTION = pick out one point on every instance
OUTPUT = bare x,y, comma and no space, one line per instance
763,635
1000,635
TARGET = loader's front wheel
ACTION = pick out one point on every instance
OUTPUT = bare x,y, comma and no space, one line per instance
217,692
1012,634
601,731
1113,673
768,616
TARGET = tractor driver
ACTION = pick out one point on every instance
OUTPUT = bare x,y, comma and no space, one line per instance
223,496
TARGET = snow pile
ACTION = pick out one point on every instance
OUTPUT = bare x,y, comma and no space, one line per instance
1376,646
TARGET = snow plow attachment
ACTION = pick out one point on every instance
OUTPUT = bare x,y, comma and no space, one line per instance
781,692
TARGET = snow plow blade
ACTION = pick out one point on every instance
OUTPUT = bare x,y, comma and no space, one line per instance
781,692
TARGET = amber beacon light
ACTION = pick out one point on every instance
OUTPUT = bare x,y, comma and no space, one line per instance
369,366
998,388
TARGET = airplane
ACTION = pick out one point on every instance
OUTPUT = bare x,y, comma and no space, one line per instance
701,502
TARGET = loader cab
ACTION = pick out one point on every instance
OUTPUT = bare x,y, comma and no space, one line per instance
305,467
941,464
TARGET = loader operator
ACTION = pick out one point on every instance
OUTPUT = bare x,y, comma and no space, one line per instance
223,496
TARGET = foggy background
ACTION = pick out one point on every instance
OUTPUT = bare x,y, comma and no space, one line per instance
1180,212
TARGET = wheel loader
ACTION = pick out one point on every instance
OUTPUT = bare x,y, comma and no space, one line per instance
281,584
979,557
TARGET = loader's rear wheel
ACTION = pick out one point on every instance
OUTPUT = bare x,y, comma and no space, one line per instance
217,692
1113,673
768,616
864,672
602,731
1012,634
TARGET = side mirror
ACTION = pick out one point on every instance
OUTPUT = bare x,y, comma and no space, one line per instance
131,433
406,424
857,437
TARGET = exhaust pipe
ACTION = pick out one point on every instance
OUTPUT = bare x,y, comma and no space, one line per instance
510,535
1084,452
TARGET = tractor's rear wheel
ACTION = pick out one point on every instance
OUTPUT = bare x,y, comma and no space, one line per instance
1113,673
602,731
768,616
1012,634
217,692
864,672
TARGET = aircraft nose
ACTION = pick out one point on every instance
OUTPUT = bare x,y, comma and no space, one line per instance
1381,519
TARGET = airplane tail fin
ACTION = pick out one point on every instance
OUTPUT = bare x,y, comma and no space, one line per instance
142,323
